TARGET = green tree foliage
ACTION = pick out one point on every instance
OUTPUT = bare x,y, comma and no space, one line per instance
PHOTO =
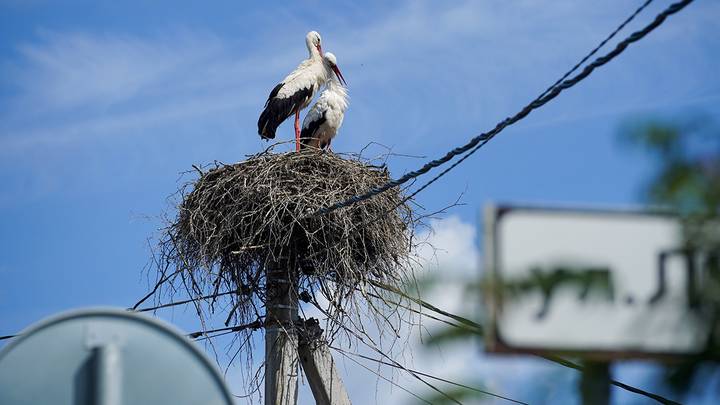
687,181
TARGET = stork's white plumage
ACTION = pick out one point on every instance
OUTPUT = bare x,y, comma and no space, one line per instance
295,91
326,116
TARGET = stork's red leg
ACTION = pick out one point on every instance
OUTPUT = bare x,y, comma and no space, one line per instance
297,131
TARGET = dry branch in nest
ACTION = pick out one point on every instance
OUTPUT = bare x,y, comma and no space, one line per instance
235,221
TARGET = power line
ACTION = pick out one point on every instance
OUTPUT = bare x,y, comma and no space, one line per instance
170,304
543,94
385,378
475,144
237,328
466,324
157,285
597,48
573,365
479,141
478,330
342,351
195,335
187,301
383,354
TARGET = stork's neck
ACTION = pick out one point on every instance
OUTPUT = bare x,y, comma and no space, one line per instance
334,84
337,90
312,50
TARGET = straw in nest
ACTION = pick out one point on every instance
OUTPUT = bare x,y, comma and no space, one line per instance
235,220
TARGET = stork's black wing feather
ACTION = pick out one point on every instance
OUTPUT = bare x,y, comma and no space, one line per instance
308,133
274,93
278,109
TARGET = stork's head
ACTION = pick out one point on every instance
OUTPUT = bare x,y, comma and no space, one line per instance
314,43
331,62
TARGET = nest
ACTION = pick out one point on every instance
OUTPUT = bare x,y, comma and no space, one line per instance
236,220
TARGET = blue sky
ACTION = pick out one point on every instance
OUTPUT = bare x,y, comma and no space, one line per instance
103,104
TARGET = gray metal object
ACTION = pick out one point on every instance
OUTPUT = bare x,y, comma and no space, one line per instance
107,357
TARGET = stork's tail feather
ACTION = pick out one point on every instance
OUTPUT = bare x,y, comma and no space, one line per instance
267,125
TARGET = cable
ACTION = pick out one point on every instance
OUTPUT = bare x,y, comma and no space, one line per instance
480,140
555,359
597,48
466,322
385,378
385,355
195,335
238,328
428,375
172,304
157,285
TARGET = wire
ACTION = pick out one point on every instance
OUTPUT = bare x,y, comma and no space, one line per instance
205,334
172,304
431,307
397,364
197,335
342,351
597,48
157,285
543,94
559,360
479,141
238,328
475,144
385,378
573,365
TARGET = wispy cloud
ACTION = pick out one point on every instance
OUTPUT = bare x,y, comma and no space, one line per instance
73,70
70,86
416,69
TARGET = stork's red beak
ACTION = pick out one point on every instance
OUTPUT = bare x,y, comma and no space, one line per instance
339,75
319,48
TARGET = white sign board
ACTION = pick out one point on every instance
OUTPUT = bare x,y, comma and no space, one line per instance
609,284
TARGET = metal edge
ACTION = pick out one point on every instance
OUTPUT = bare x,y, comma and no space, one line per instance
619,210
163,326
491,297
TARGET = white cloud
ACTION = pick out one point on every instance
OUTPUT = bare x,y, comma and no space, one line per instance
451,247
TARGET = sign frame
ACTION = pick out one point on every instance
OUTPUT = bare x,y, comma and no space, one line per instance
492,297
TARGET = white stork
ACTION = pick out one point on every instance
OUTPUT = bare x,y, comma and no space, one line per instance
326,116
295,91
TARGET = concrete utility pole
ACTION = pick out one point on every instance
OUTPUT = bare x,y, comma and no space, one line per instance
281,340
284,349
322,374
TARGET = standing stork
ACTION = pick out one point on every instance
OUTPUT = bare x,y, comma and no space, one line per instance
294,92
326,116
